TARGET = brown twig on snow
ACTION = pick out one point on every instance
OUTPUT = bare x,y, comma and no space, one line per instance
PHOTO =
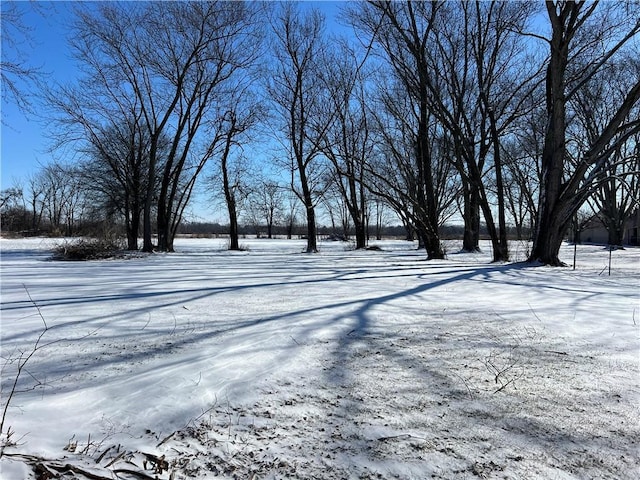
23,359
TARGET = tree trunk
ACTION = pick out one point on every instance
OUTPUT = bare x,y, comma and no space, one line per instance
229,197
132,229
312,240
553,218
147,242
426,190
549,239
615,230
549,232
165,242
361,235
234,243
433,247
312,243
290,230
471,236
502,255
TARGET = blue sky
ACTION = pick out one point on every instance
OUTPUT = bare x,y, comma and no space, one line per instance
25,138
24,144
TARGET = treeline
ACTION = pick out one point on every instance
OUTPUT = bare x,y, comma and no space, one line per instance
205,229
508,115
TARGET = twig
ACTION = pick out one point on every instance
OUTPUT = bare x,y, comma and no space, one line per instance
85,450
465,384
175,324
99,459
22,361
135,473
534,312
118,457
148,321
166,439
402,435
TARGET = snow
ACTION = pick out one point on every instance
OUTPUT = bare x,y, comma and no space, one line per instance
270,363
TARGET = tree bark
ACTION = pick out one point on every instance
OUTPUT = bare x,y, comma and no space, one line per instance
471,217
559,200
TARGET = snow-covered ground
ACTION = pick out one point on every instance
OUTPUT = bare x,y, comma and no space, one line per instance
271,363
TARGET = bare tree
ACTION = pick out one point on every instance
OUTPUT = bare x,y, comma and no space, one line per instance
618,195
585,38
115,173
336,207
521,180
58,196
36,191
378,211
348,143
291,212
10,197
523,152
480,81
266,204
236,122
403,30
13,212
18,76
173,62
617,191
297,93
231,183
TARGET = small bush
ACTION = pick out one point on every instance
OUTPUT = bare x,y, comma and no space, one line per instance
89,249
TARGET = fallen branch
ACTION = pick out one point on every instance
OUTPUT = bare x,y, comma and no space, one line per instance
136,473
402,435
43,467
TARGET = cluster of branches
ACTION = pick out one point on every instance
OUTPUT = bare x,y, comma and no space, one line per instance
154,103
497,111
52,200
525,123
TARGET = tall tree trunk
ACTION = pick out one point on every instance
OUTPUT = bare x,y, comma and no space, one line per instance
147,239
471,235
163,226
550,232
290,229
361,235
270,226
502,254
133,221
615,228
229,196
426,191
307,199
551,228
312,233
234,243
163,217
357,208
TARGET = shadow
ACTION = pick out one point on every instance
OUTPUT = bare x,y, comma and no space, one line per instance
401,345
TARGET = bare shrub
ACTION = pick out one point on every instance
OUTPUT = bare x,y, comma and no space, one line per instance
90,249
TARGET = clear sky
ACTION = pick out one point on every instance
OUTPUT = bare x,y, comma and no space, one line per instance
25,142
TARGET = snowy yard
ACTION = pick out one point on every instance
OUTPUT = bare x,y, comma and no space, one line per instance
271,364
